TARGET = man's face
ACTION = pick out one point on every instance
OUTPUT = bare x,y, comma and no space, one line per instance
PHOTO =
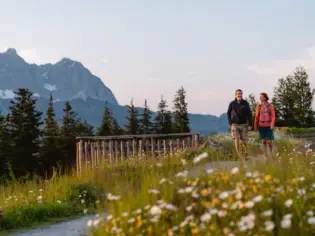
239,95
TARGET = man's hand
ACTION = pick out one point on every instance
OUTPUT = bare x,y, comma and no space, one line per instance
272,127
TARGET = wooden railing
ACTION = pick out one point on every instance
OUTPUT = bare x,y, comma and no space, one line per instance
98,150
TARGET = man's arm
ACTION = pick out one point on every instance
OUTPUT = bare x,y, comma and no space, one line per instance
229,111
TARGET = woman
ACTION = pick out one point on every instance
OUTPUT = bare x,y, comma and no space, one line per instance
265,121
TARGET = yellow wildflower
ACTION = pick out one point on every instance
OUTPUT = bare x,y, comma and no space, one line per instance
204,192
206,204
150,229
212,227
195,231
251,181
139,223
138,217
254,189
268,177
230,199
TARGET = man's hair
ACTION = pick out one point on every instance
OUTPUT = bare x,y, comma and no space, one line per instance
265,95
238,90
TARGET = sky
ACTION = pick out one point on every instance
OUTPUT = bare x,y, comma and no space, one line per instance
147,49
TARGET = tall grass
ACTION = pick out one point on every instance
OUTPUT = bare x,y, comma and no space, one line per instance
129,190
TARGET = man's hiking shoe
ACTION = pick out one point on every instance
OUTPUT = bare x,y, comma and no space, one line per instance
246,156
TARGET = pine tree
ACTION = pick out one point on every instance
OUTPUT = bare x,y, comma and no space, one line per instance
84,129
132,126
109,125
181,119
163,119
106,127
284,102
146,126
303,97
252,104
117,130
50,151
23,128
3,158
68,135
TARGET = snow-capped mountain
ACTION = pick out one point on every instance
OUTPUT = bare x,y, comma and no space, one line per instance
71,81
67,79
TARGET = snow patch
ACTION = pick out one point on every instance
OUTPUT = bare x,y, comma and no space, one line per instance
50,87
45,74
7,94
56,100
80,94
72,65
36,95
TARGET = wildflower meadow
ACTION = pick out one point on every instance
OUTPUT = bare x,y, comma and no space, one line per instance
163,196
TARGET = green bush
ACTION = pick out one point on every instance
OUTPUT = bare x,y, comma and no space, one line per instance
82,195
28,215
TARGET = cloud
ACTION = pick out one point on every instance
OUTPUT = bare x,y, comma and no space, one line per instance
286,66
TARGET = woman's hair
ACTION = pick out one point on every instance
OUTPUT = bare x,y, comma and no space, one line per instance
265,95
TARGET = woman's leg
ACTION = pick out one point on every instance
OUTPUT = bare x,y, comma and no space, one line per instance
270,145
270,138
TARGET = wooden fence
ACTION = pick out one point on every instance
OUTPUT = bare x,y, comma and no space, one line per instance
98,150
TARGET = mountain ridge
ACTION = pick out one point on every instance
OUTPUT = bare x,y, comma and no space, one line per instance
69,80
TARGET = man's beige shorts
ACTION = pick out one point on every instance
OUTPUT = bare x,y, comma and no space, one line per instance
239,131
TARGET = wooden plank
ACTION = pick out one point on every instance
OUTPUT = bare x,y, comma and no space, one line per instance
86,154
128,149
140,147
177,144
122,150
137,136
159,146
92,154
164,147
110,152
77,158
133,148
147,147
97,153
171,146
153,147
116,151
80,155
103,153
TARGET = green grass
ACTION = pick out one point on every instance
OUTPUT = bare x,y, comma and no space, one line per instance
295,130
139,183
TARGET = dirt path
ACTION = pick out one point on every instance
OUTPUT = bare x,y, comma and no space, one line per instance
225,165
75,227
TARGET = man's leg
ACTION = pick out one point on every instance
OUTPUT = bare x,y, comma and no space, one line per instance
244,137
237,146
236,137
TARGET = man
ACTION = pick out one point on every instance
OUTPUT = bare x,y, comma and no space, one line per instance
265,120
240,119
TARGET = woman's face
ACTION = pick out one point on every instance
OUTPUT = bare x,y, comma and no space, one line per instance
262,98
